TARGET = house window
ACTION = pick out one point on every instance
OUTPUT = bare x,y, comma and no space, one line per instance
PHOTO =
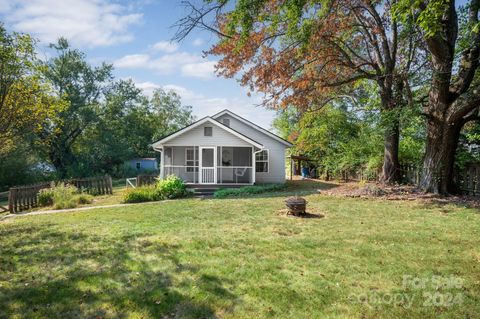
138,165
261,162
207,131
226,122
191,160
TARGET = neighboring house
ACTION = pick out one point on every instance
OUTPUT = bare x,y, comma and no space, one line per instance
143,164
223,149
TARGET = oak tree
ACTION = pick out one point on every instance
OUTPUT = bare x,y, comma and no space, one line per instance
307,53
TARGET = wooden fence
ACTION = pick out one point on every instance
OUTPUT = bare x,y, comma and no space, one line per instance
25,197
410,174
468,180
4,202
94,185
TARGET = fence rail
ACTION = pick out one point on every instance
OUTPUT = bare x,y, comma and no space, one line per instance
94,185
25,197
468,180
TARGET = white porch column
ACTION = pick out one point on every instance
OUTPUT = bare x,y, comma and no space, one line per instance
253,165
162,163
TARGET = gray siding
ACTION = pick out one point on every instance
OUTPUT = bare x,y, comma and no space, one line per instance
219,137
276,172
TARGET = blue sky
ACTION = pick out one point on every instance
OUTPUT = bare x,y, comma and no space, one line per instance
134,36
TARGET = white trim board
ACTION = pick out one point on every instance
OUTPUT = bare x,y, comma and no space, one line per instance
255,126
207,119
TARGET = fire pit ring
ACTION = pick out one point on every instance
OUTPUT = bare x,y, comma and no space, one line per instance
296,205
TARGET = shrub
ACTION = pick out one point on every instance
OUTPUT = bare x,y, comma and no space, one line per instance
83,199
171,187
168,188
45,197
63,196
65,203
248,190
140,194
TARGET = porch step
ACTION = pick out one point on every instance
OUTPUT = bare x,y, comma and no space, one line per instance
202,191
208,190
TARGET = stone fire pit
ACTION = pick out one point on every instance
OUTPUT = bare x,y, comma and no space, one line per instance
296,205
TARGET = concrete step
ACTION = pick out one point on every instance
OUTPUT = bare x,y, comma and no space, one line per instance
203,191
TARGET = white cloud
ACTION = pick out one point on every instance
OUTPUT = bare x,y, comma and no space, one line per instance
147,87
206,105
198,42
183,92
165,46
91,23
132,61
165,64
203,70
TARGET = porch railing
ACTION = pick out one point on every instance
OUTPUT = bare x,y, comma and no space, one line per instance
225,174
234,174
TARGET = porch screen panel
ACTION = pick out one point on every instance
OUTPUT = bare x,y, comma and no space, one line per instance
242,156
234,165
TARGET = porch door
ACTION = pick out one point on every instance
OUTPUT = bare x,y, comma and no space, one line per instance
208,172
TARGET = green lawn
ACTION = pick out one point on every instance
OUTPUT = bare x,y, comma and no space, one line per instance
238,258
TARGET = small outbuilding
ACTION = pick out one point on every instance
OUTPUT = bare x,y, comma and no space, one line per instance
143,164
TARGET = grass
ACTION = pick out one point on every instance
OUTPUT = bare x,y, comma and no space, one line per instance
238,258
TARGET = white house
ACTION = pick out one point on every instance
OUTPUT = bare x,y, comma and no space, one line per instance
223,149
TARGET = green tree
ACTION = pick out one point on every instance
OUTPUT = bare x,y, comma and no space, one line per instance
168,113
452,37
128,125
26,102
82,87
308,53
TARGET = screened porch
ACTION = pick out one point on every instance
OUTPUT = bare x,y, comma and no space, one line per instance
209,164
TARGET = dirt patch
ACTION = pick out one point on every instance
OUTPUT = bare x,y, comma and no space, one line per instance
285,212
403,192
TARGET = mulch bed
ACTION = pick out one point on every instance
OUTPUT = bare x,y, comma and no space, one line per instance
407,193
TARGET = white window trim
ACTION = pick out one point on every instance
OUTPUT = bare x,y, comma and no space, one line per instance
263,161
195,159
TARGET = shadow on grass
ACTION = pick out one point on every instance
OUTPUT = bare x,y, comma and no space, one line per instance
47,273
293,188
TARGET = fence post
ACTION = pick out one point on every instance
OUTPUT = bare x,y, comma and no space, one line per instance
109,184
10,200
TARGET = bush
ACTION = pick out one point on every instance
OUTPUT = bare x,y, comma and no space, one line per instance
171,187
140,194
45,197
248,190
168,188
83,199
63,196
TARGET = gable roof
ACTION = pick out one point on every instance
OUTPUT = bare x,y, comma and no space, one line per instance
253,125
202,121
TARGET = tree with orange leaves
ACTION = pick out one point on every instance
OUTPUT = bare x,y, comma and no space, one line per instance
307,53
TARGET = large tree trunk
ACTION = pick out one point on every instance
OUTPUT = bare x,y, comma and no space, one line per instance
391,165
442,141
61,157
390,117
